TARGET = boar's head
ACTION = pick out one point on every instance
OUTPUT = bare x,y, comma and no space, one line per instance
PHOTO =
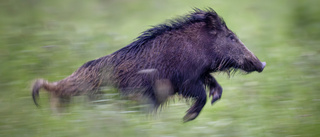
226,49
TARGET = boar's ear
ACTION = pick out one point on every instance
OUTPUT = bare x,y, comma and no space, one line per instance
212,21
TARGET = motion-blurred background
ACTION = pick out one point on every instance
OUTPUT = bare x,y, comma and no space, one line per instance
52,38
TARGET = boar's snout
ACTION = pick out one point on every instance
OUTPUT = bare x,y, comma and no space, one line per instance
263,64
258,66
253,65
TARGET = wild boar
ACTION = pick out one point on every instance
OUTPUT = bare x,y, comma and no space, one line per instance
174,58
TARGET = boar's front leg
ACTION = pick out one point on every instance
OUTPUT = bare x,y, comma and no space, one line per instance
214,86
197,92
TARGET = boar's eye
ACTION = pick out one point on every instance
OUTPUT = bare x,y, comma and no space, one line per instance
232,37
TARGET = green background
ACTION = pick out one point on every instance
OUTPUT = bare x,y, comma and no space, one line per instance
51,38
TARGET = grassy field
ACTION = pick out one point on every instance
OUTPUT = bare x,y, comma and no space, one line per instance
51,39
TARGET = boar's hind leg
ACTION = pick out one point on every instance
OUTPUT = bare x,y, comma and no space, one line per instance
197,92
215,88
59,103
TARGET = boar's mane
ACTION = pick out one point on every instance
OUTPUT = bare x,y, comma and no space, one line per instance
196,16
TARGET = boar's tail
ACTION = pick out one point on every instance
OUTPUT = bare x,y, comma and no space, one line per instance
38,84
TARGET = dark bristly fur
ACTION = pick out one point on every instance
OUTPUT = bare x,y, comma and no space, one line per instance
172,58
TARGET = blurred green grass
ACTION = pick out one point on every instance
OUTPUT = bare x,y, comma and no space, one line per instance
51,39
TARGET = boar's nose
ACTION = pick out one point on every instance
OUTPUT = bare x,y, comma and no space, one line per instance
263,64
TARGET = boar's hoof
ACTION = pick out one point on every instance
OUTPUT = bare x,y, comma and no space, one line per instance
216,94
190,116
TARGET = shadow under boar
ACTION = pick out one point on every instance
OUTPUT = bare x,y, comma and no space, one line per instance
168,59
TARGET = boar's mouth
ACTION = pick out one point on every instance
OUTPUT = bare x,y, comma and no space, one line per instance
226,65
